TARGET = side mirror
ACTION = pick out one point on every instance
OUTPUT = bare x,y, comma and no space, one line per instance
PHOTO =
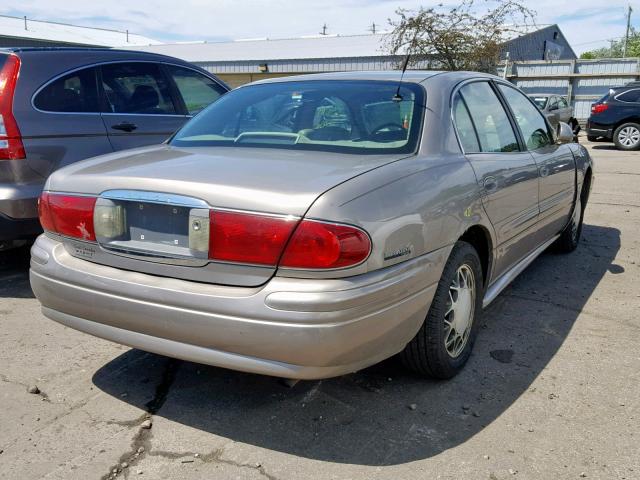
565,134
553,107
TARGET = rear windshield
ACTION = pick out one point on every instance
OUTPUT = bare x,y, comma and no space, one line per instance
541,102
328,115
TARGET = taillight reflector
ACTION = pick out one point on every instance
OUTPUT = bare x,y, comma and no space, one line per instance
320,245
68,215
11,147
247,237
598,108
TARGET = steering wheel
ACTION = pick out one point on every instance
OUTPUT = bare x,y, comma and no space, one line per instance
391,126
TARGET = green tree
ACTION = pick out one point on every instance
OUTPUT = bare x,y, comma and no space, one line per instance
464,37
616,48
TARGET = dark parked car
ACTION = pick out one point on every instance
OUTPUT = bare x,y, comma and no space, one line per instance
557,109
616,117
61,105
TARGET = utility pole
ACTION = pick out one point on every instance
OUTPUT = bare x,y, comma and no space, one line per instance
626,37
324,29
25,23
373,28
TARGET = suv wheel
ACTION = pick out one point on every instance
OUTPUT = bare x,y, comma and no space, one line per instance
443,344
627,136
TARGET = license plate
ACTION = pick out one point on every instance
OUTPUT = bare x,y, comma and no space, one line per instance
158,224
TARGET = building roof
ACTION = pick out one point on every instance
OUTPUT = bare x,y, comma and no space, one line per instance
68,34
320,46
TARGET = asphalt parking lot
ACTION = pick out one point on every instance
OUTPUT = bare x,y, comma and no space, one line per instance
552,390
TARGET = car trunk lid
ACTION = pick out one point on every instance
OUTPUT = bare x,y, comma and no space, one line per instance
161,191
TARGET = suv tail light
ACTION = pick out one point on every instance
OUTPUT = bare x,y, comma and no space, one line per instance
320,245
68,215
598,108
11,147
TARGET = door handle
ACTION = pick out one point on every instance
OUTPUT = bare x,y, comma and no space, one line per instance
125,126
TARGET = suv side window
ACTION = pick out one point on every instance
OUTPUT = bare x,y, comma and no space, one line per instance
197,90
553,103
631,96
76,92
464,126
562,102
531,122
139,88
494,129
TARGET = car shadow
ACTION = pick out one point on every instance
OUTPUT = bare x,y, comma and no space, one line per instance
14,273
604,147
383,415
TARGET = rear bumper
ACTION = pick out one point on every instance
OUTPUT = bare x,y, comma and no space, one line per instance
20,201
18,228
293,328
598,130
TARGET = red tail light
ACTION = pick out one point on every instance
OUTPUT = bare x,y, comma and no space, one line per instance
68,215
598,108
247,237
11,147
319,245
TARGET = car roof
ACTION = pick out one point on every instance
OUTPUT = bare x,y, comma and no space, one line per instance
410,76
79,51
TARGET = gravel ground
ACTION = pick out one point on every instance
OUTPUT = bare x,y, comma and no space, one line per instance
552,390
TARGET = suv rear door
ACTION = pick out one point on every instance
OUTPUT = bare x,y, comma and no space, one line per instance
141,106
63,124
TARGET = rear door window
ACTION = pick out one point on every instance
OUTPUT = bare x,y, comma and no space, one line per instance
73,93
631,96
197,90
464,126
494,129
137,88
531,122
562,102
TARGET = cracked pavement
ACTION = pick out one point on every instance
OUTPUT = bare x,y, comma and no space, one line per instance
559,397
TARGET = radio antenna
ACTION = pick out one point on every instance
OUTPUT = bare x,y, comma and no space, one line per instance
397,97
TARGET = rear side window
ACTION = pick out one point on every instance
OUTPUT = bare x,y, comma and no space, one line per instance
138,88
631,96
489,117
464,126
531,122
73,93
562,102
197,90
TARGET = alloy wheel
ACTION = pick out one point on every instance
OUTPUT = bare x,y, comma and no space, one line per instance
629,136
458,318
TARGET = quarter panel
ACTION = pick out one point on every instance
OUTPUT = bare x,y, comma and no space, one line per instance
409,208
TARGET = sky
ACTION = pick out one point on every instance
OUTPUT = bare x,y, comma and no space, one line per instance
587,24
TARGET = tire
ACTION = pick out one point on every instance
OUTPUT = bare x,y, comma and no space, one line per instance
570,237
627,136
592,138
575,126
427,353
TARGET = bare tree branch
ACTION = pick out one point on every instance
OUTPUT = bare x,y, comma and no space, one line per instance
464,37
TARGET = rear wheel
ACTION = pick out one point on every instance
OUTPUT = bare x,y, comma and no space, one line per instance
443,344
627,136
570,237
